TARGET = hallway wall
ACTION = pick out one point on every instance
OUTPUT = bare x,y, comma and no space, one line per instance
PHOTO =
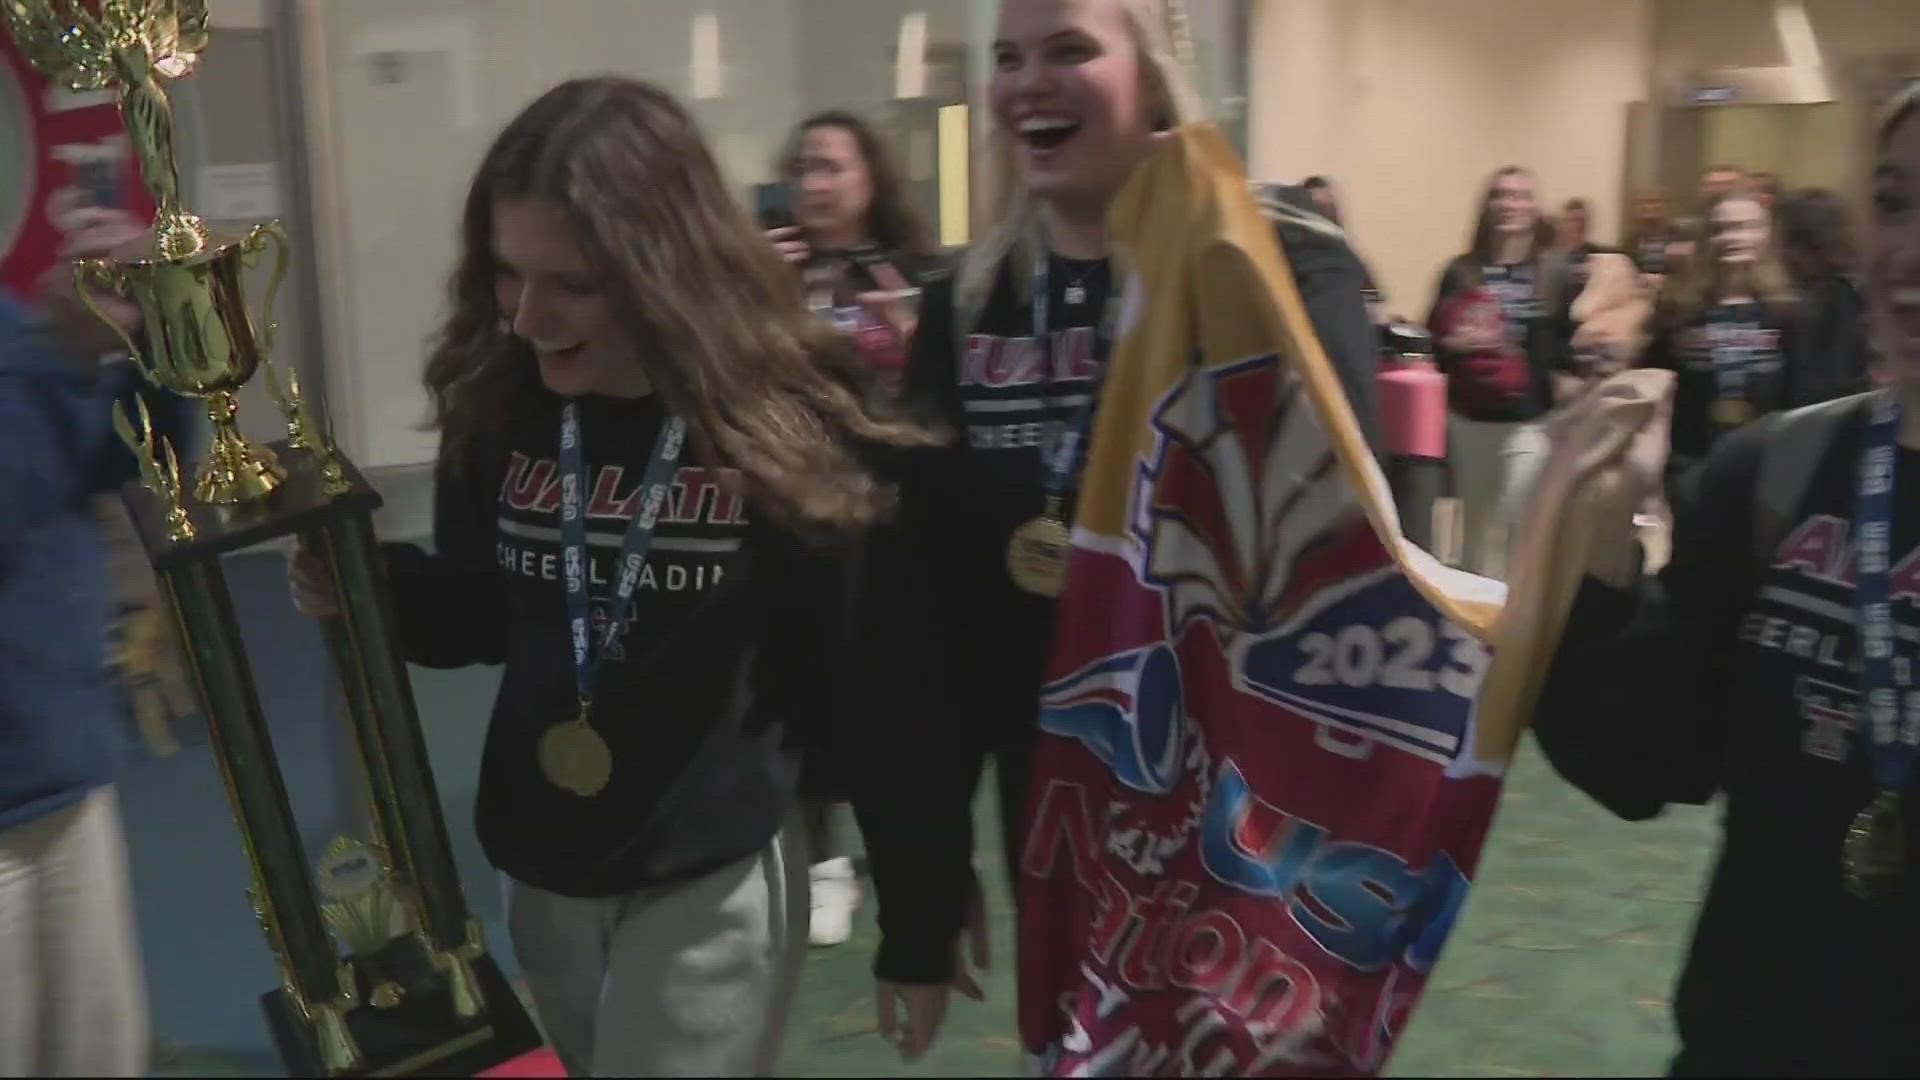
1409,105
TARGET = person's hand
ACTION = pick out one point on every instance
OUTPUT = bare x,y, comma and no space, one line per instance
311,583
925,1006
789,244
1632,476
894,302
91,231
1568,386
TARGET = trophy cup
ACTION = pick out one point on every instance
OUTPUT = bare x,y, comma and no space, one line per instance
416,991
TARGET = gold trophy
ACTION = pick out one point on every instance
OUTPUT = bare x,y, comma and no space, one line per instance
416,991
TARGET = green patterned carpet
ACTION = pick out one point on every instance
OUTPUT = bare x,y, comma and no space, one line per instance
1561,966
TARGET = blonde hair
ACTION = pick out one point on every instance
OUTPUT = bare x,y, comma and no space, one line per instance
1164,40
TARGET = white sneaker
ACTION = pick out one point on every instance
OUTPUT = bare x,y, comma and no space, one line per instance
836,896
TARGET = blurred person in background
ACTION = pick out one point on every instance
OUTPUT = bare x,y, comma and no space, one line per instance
1573,239
1321,199
861,245
1320,190
1767,190
1717,182
72,991
864,252
1726,327
1499,327
1650,235
1771,667
1831,351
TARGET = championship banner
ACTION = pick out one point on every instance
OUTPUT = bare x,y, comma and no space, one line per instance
76,155
1273,732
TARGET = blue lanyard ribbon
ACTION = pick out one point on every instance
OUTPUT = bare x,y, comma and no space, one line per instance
1893,731
1064,452
654,484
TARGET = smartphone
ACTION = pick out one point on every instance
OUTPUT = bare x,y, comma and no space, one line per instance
773,205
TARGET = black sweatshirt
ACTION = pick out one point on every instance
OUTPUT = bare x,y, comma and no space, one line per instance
1730,353
1831,352
708,696
1707,680
955,652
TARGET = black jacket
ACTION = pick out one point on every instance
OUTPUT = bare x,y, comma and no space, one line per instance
1334,283
1830,357
1733,677
952,653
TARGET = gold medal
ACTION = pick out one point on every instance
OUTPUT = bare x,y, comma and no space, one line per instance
1875,855
1037,553
1732,412
574,757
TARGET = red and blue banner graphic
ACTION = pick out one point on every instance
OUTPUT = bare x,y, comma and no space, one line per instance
1266,765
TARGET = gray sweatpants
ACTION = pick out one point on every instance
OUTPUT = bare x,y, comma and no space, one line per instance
688,980
73,997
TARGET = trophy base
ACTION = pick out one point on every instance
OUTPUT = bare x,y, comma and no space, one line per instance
418,1036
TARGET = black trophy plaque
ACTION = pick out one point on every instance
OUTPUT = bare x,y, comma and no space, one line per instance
421,997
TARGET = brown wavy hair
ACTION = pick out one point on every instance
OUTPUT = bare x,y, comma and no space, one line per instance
1486,224
1816,236
892,221
1703,281
765,388
1484,247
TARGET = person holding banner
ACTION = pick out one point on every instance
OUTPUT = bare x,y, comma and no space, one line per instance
960,614
1774,662
627,373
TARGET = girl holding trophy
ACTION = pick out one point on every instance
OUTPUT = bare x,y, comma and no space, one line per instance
644,432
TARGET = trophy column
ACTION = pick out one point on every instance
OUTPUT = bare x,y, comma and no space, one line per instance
282,894
434,1002
379,698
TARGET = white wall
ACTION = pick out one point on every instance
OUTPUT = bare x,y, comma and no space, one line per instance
397,156
403,153
1692,34
846,47
1410,104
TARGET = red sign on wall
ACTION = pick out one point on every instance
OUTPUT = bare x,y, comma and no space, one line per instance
77,156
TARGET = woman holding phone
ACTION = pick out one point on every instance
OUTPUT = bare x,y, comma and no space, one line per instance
841,215
860,244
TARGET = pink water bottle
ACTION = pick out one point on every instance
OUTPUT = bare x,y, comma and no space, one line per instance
1413,394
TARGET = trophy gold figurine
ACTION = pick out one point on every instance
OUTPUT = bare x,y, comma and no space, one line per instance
416,991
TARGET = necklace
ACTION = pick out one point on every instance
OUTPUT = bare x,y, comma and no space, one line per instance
1075,293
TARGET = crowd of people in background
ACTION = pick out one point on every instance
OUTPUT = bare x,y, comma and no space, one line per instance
1752,301
614,308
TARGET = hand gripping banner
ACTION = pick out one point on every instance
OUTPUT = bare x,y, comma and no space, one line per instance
1273,732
